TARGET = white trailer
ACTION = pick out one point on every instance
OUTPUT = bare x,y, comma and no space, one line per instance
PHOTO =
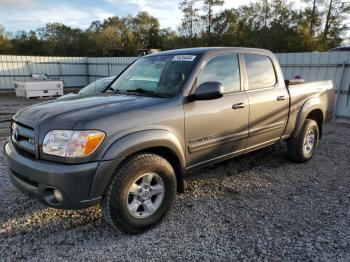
39,88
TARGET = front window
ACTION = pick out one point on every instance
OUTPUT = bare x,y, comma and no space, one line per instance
161,75
223,69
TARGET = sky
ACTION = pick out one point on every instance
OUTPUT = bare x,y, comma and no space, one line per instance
30,14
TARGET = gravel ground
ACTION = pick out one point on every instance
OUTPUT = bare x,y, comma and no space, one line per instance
258,206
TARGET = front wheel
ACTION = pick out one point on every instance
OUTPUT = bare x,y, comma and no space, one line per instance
139,194
302,147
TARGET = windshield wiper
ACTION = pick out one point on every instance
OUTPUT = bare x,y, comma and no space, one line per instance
147,92
116,91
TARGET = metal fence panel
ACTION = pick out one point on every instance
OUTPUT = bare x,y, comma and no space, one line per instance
74,71
107,66
79,71
333,66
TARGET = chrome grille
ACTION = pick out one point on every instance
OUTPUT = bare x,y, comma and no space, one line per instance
23,137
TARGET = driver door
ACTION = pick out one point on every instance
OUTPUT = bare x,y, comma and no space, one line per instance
217,128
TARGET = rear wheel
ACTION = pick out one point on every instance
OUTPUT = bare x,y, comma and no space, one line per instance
140,193
301,148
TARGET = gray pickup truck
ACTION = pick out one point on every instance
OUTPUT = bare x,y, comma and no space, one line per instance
129,147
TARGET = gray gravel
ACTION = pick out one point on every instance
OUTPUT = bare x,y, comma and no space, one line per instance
259,206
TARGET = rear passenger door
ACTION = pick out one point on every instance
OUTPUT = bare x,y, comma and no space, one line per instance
268,101
219,127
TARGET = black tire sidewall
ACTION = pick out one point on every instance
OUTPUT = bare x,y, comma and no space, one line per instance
119,195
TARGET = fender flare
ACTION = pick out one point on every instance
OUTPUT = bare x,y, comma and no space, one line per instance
142,140
132,143
309,105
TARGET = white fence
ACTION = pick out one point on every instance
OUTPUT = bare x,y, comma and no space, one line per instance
79,71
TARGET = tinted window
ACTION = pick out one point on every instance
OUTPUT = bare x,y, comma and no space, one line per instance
260,71
223,69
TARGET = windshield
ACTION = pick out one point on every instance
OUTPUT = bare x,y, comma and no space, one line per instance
96,87
157,75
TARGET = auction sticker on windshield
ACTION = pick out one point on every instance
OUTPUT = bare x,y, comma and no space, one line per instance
185,58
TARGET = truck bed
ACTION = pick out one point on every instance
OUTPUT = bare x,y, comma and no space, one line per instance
301,92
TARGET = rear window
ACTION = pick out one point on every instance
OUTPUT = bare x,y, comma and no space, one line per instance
260,71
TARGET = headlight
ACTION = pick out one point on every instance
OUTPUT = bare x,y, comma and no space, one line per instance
67,143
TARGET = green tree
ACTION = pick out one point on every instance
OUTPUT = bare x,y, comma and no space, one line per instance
309,24
2,31
313,15
273,24
209,14
95,26
146,29
28,44
5,45
335,25
109,41
190,18
62,40
231,29
168,39
266,24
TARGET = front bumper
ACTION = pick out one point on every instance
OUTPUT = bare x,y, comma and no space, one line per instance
38,179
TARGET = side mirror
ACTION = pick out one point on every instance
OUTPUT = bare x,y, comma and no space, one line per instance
208,90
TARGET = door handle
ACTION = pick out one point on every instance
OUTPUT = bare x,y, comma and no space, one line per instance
281,98
238,106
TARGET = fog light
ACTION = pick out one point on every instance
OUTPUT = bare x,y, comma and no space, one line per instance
58,195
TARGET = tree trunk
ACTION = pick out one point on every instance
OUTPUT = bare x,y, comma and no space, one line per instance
209,22
191,23
327,24
313,19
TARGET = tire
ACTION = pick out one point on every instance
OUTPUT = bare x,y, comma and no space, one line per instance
126,202
299,147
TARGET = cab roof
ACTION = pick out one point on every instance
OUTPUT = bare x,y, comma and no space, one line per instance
207,50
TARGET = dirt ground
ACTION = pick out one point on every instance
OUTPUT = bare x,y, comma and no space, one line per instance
257,206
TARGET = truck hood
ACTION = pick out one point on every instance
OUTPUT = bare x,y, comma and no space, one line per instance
66,113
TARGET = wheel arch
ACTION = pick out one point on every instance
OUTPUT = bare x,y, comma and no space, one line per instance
160,142
173,159
311,109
